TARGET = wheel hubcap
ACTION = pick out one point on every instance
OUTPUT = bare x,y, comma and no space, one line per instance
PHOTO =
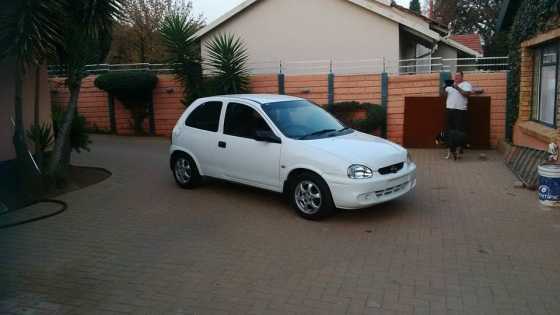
183,170
308,197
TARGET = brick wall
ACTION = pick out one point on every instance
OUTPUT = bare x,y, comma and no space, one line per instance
167,104
495,86
399,88
359,88
311,87
267,84
92,103
526,84
363,88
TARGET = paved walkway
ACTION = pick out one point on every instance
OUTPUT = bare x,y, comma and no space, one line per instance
465,242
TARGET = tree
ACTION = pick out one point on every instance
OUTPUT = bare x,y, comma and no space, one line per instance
183,52
469,16
86,39
29,32
444,11
227,64
137,38
476,16
415,6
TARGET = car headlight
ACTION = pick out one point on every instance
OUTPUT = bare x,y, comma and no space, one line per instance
357,171
409,158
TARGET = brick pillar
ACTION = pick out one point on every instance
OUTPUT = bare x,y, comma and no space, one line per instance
330,90
384,99
112,119
281,86
525,84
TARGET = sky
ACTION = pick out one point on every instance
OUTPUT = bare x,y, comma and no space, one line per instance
212,9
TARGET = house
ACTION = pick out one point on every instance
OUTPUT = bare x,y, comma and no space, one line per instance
345,32
7,95
473,41
538,114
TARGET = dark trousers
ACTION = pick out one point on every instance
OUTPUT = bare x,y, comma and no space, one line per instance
457,120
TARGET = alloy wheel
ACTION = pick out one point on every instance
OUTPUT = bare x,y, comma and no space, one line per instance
308,197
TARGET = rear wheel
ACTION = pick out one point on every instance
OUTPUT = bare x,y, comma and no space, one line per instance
310,196
185,171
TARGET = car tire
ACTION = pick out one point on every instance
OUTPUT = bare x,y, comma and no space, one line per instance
185,171
310,196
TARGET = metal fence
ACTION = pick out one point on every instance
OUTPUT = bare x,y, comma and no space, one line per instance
338,66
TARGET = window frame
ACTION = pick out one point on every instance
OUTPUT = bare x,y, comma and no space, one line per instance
198,107
537,73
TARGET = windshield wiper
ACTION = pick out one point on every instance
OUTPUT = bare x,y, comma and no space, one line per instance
343,129
316,133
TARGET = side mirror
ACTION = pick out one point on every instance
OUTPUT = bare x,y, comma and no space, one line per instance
267,136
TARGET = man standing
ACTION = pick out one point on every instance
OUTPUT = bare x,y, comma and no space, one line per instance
457,104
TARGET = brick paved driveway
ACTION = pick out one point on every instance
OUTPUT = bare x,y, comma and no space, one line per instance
465,242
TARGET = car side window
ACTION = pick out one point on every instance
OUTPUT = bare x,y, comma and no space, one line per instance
243,121
205,116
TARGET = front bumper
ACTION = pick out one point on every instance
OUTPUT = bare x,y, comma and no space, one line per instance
355,194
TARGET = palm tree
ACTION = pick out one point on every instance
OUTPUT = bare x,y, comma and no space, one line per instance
177,31
86,39
227,63
29,33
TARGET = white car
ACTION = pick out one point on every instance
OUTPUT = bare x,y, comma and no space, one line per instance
289,145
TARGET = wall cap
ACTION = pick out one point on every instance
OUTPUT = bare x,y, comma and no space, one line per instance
541,38
538,131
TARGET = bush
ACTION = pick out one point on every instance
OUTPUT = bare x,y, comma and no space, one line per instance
376,116
79,136
133,89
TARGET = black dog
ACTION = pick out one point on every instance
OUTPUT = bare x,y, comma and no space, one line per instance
453,139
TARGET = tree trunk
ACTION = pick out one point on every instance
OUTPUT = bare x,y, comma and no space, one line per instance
24,165
36,118
63,136
19,130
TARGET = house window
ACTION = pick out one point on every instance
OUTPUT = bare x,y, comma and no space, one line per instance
545,84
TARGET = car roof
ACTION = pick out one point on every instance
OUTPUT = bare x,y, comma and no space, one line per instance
258,98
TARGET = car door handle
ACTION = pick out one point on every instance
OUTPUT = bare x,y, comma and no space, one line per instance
221,144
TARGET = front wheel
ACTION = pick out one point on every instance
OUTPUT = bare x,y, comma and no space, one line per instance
310,197
185,172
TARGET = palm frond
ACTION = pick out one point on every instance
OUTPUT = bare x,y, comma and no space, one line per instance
177,32
227,63
30,29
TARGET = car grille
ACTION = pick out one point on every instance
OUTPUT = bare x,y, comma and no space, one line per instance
391,169
390,190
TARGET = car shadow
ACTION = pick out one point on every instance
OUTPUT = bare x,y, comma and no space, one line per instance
277,201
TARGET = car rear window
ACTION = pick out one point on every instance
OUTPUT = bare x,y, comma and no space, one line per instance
205,116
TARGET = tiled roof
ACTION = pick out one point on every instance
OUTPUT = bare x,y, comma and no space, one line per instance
472,41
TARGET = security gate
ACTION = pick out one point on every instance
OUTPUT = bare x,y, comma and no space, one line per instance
425,118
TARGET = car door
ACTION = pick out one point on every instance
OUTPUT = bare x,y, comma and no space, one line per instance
245,159
200,136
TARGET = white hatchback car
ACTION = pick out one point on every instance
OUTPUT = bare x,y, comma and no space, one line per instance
290,145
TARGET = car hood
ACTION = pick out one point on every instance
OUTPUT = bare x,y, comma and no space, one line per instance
361,148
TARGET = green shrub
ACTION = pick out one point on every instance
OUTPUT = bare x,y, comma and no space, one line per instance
227,62
375,119
133,89
79,136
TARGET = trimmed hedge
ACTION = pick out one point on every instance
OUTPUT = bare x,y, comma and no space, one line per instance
376,117
133,89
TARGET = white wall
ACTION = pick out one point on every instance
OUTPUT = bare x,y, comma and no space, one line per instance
446,52
7,90
293,30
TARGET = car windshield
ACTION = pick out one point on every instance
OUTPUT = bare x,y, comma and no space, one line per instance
303,120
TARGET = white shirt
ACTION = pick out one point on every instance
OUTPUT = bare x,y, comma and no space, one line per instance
456,100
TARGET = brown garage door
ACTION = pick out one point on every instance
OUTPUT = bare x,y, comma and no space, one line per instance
424,118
